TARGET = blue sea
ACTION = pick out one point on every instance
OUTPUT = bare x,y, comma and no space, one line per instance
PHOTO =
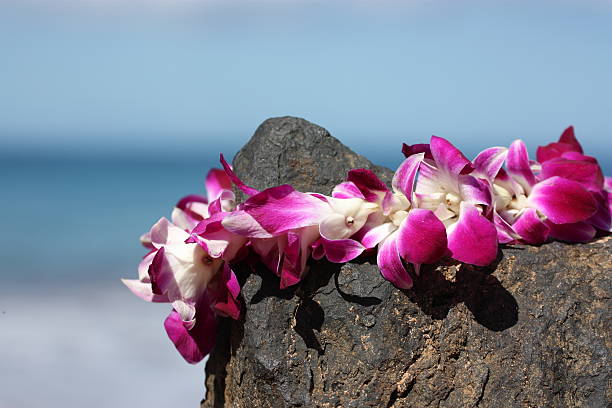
71,334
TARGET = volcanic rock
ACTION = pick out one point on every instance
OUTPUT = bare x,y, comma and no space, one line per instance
531,330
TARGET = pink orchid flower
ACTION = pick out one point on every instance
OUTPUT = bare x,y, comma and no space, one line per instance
292,222
531,206
283,226
189,267
400,230
285,254
460,200
192,209
565,158
198,285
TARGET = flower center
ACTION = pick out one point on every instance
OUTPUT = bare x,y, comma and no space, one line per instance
452,202
398,216
518,202
207,259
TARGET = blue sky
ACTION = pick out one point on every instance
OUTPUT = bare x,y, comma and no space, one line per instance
173,77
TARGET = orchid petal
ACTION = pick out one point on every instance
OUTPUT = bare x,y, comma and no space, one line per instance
187,201
291,267
196,343
448,158
567,143
295,249
347,190
143,290
217,180
433,181
187,312
182,271
250,191
189,211
368,183
409,150
552,151
183,220
474,190
224,291
608,184
602,219
348,216
517,163
225,202
318,252
421,237
143,266
241,223
405,175
160,276
571,155
562,200
505,233
145,240
289,277
166,233
279,209
473,238
390,263
264,246
531,228
375,235
585,172
341,250
490,161
568,137
572,232
334,227
217,241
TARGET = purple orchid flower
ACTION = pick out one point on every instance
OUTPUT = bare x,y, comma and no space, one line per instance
198,285
531,206
285,224
192,209
400,230
460,200
565,158
188,266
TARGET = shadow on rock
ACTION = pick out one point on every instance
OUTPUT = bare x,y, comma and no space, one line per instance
433,293
309,316
269,285
360,300
491,304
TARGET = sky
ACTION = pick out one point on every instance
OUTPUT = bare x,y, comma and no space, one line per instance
186,77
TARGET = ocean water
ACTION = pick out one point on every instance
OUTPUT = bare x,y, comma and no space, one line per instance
70,334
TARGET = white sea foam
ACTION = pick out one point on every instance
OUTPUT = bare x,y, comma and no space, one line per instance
89,346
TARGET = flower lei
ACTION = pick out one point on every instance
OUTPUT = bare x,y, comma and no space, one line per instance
441,204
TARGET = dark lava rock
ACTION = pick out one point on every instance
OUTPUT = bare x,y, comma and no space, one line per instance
294,151
533,330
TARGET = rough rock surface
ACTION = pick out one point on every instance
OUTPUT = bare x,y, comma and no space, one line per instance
533,330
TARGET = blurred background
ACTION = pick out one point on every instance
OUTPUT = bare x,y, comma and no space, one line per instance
111,110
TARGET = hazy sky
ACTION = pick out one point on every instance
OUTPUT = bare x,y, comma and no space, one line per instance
170,75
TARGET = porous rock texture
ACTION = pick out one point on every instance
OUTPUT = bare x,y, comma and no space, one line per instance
532,330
